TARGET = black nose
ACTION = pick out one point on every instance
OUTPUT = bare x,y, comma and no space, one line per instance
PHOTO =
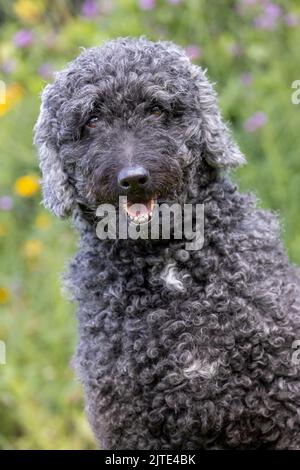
133,178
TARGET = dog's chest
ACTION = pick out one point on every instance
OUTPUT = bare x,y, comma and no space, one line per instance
148,326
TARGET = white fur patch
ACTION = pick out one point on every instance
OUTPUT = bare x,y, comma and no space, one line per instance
201,369
171,278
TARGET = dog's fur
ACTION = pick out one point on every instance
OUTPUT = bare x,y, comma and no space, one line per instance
178,349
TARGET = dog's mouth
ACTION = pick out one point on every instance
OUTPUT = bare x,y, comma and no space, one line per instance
140,212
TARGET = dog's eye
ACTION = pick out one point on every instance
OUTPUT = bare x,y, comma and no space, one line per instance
92,122
156,111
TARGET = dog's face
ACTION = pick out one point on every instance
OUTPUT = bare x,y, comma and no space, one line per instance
125,128
131,118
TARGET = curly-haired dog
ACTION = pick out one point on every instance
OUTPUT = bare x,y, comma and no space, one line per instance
178,349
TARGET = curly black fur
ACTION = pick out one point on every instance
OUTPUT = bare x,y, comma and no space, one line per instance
178,349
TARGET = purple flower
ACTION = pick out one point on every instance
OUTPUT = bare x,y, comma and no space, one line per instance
256,121
193,51
246,78
147,4
23,38
6,203
291,19
272,10
267,6
89,9
268,20
265,22
9,66
46,71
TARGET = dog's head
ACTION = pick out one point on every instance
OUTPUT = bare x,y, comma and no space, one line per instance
129,118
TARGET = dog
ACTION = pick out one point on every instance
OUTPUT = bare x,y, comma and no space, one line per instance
178,349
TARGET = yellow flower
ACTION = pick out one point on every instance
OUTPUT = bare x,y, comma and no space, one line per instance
4,295
43,221
3,230
32,249
12,95
29,10
27,185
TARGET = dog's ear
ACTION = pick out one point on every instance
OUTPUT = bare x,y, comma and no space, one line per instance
219,148
58,194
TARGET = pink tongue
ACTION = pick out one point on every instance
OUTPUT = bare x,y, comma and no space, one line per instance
134,210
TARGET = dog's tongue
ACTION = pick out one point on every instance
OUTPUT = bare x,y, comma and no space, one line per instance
136,209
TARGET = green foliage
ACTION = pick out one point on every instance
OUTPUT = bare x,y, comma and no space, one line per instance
253,61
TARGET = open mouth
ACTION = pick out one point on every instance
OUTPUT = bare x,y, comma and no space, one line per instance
140,212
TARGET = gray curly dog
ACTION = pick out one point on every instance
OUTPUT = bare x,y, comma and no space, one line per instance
177,349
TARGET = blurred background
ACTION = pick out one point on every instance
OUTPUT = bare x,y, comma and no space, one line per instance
251,50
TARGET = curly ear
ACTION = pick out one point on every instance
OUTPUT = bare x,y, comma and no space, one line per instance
58,193
220,150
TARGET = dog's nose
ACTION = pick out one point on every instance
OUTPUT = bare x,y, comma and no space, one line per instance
133,178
